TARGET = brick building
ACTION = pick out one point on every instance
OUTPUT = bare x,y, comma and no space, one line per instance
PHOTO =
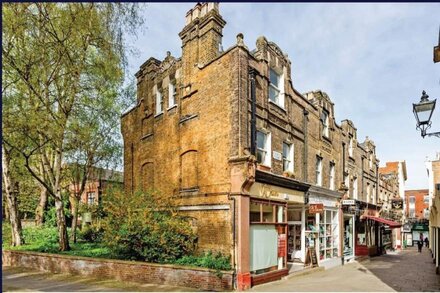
417,204
259,166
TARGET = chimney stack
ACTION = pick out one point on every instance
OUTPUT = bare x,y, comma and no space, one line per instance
202,36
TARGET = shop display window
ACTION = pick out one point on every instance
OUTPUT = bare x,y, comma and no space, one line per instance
262,212
328,234
360,235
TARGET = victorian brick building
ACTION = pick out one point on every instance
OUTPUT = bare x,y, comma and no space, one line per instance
258,166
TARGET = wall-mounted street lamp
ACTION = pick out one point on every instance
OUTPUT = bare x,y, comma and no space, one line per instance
423,113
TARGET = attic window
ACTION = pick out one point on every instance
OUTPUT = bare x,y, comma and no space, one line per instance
325,123
276,87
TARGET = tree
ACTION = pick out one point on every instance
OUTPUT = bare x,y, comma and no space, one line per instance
60,61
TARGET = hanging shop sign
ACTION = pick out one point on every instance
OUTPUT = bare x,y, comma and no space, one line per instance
316,208
406,227
397,203
348,202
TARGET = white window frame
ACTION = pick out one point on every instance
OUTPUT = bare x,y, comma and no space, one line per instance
332,176
279,99
318,171
267,148
325,124
350,147
171,95
426,199
355,188
289,158
159,102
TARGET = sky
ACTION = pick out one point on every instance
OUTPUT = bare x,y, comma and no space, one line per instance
372,59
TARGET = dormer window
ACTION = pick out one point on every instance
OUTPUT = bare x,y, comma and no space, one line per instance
276,88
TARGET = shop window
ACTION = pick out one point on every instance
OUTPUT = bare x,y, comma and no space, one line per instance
328,234
262,212
263,244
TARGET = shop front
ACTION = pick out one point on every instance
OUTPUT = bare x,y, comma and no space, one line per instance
348,210
269,231
323,226
434,229
367,230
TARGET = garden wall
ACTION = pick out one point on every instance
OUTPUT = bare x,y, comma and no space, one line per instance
200,278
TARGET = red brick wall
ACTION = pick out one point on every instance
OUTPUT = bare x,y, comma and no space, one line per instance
419,203
174,275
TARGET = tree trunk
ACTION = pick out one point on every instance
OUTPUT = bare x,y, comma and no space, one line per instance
75,203
61,224
41,207
11,200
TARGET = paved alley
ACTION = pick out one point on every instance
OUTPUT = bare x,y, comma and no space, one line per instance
404,271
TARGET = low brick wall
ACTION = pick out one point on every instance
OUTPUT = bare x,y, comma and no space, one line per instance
200,278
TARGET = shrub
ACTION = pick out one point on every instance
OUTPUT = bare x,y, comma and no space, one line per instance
144,226
93,233
6,234
216,261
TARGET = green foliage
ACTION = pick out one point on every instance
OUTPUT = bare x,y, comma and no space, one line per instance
6,234
144,226
93,233
50,215
216,261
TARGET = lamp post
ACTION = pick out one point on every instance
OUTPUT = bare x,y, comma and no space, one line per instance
423,113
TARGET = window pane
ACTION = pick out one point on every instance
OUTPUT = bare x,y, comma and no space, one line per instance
274,78
286,150
261,156
273,94
261,140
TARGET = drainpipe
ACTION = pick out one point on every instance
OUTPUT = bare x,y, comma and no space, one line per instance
305,124
341,217
253,113
343,162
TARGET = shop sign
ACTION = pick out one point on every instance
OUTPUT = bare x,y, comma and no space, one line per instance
316,208
397,203
406,228
348,202
282,241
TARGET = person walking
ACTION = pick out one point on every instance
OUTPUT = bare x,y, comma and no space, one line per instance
419,245
426,242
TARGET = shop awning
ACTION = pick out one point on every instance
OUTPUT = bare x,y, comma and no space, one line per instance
390,223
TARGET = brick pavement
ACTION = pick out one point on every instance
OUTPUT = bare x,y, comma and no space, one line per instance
406,271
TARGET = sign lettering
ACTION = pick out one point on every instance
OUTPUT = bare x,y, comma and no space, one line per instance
350,202
316,208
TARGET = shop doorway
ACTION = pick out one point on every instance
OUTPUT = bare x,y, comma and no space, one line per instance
294,252
348,237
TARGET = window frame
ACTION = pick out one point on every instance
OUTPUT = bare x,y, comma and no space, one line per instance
325,124
290,158
172,93
266,161
159,102
279,88
318,171
332,174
